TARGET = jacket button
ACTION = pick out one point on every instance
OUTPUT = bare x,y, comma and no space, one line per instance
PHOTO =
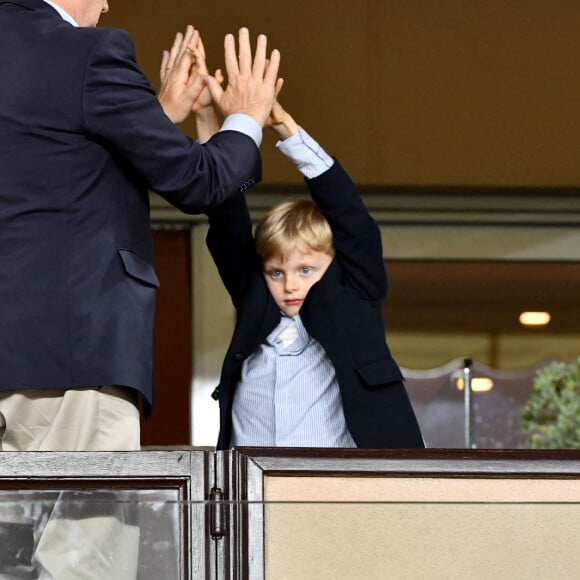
240,356
216,394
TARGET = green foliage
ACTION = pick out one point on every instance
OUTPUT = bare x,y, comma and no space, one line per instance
551,417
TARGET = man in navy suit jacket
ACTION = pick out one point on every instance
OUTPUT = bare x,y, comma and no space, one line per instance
83,138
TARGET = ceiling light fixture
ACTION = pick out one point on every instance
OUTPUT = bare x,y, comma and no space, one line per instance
535,318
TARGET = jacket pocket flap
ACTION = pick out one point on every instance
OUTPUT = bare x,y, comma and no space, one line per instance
138,267
380,372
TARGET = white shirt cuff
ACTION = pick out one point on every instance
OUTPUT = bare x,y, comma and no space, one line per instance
245,124
310,158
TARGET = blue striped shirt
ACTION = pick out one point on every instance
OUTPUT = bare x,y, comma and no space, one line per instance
288,395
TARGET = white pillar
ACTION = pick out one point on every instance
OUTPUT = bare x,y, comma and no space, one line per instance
213,322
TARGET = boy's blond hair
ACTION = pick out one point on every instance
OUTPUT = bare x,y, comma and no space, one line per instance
293,224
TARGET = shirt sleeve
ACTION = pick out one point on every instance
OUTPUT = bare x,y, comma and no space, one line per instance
308,156
243,124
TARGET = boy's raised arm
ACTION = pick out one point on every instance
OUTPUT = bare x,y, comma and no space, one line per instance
280,121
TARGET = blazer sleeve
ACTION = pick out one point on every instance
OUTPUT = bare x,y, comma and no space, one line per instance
356,236
121,110
231,244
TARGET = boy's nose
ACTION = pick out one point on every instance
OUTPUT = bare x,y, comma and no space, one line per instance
291,284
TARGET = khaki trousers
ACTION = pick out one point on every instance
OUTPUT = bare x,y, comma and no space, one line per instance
103,418
92,419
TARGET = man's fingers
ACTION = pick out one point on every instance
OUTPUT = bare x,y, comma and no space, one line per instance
260,58
183,66
231,60
273,67
251,78
179,49
174,51
245,58
163,68
188,38
171,58
189,44
185,59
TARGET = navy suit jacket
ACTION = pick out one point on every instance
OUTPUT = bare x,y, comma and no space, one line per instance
342,311
83,139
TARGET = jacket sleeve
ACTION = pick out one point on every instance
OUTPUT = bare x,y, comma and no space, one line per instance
121,110
231,244
356,236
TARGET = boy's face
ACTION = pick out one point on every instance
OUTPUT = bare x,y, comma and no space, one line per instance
290,277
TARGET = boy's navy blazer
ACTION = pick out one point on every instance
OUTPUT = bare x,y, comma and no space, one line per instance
343,312
83,139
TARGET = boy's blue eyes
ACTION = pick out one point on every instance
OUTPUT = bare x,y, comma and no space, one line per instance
278,273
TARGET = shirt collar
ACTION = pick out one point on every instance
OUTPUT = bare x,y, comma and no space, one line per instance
301,341
64,14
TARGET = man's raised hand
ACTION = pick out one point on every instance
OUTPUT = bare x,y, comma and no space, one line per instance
251,83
